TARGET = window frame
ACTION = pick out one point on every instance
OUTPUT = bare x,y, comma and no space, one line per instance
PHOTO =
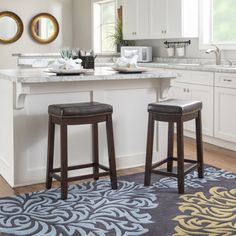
92,30
203,26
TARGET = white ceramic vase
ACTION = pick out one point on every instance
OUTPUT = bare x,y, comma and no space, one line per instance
170,52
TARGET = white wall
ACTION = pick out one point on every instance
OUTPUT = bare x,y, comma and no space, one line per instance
82,22
26,9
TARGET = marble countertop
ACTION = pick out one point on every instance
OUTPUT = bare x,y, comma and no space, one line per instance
193,66
100,73
185,66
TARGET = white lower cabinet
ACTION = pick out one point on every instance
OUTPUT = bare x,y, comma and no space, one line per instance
201,93
197,91
206,95
225,114
217,91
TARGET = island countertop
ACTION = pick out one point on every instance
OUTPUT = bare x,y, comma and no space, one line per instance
100,73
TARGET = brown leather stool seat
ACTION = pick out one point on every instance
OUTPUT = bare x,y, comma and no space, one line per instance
174,111
79,109
175,106
79,114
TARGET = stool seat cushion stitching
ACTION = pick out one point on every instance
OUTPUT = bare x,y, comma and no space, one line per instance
175,106
79,109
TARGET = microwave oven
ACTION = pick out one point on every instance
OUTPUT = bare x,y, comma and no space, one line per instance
144,53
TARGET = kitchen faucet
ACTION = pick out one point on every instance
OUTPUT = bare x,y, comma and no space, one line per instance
217,52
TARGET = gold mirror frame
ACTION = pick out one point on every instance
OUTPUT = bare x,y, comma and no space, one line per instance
55,26
20,27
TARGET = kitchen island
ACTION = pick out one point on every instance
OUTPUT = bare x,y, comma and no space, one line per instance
25,96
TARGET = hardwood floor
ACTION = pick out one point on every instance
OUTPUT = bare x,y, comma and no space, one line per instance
213,155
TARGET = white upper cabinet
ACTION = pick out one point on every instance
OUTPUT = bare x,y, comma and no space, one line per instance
130,15
157,18
154,19
135,20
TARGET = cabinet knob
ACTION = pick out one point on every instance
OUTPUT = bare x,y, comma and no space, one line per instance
188,90
184,89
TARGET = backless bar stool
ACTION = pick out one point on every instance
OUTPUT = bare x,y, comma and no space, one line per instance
174,111
79,114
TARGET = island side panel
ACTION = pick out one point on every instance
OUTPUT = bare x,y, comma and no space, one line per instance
6,131
30,130
130,121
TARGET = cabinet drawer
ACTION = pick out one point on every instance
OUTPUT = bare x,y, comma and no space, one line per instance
226,80
194,77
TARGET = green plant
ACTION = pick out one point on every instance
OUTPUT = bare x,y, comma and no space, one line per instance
66,53
118,35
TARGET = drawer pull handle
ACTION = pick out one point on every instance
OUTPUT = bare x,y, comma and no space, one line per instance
228,80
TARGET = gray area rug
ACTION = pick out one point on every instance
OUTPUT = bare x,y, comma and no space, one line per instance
207,208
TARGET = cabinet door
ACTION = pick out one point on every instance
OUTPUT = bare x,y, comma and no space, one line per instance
158,13
225,114
130,16
206,95
136,19
174,19
177,91
143,19
200,93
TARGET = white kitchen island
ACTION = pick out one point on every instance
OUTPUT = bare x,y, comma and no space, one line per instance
24,98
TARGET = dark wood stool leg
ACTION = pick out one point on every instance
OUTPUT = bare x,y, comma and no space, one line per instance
95,151
170,151
199,145
50,152
64,162
180,156
149,150
111,152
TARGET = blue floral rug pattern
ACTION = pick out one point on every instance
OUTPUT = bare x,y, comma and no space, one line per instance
93,209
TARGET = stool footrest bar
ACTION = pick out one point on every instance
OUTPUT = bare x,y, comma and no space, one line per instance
154,166
57,177
90,176
191,168
185,160
159,172
75,167
103,167
82,177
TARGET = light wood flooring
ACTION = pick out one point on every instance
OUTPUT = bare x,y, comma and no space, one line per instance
213,155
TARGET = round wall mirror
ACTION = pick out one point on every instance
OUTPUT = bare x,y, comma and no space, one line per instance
11,27
44,28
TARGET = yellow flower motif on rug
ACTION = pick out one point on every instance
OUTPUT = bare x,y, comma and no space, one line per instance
213,215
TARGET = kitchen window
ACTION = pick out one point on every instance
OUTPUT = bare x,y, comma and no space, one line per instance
104,18
217,23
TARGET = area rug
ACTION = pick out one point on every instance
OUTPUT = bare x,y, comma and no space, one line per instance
207,208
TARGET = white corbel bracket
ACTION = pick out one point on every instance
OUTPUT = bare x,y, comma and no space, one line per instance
20,92
165,87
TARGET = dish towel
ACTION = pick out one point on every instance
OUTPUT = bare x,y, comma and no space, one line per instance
67,64
124,62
